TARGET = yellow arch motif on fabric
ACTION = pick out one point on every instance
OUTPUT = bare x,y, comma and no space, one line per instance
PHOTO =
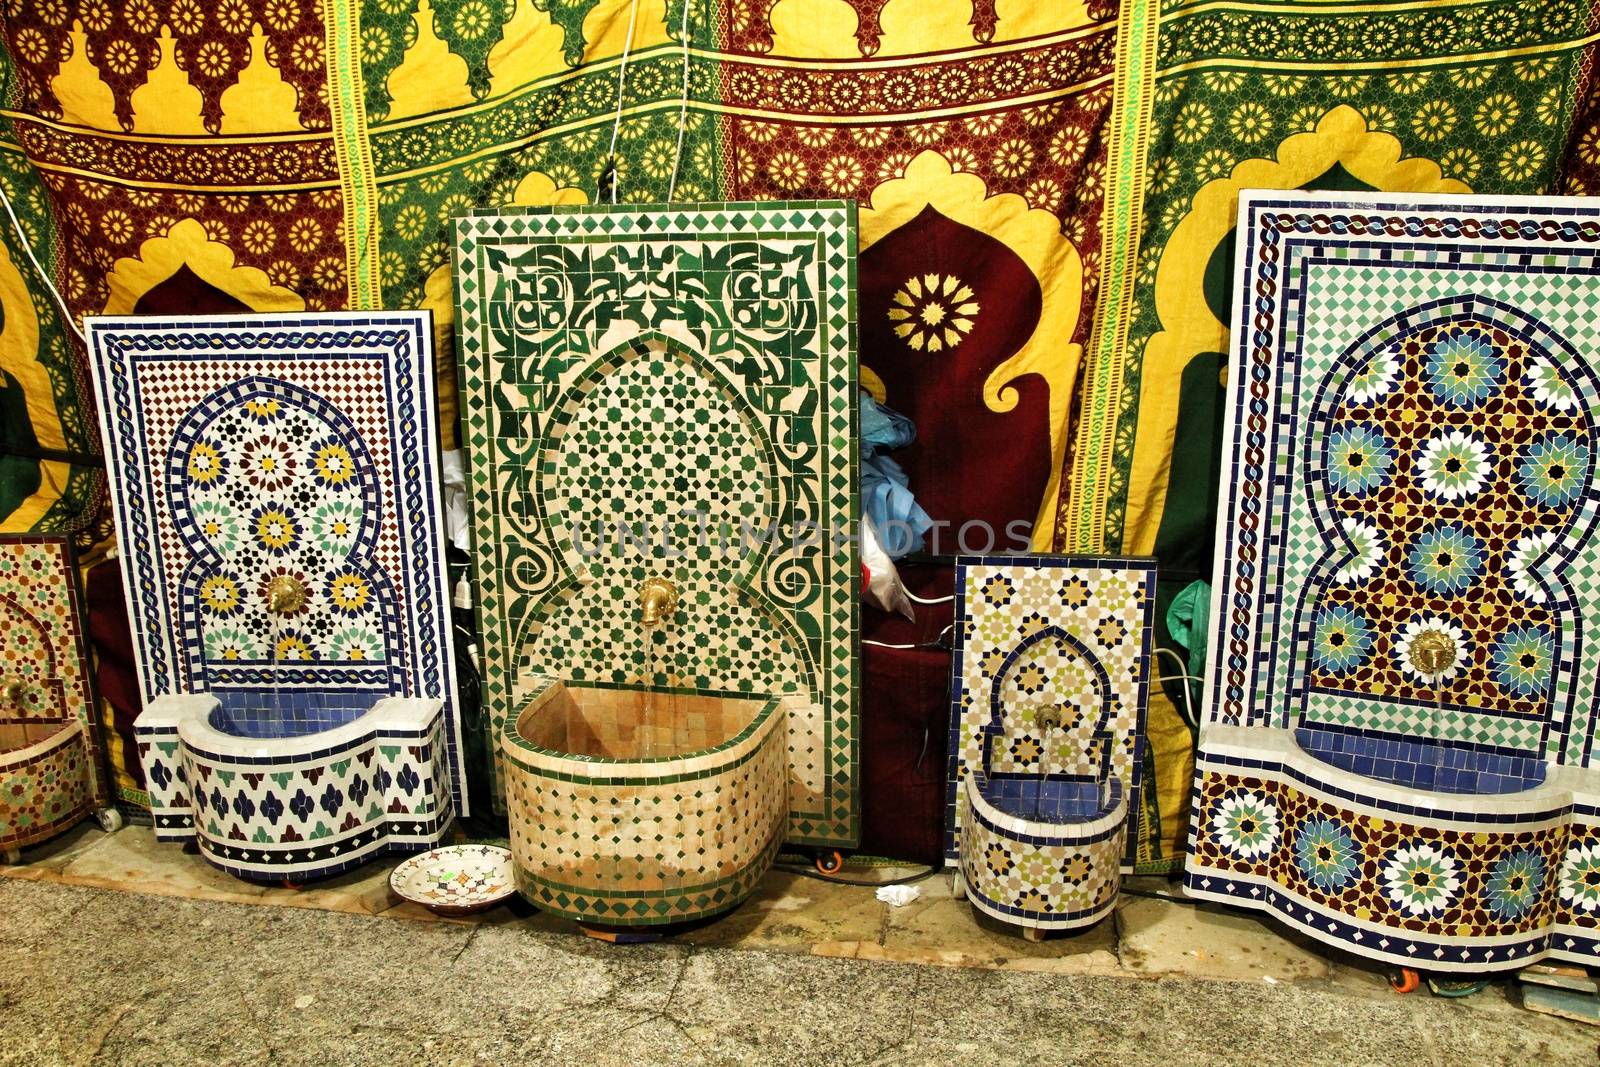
814,29
1019,19
438,296
1188,326
85,98
605,29
1035,236
529,50
260,101
430,77
187,245
19,358
167,103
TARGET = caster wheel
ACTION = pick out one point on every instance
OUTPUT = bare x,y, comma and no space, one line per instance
1404,980
290,883
191,847
1032,933
13,857
110,819
958,885
830,862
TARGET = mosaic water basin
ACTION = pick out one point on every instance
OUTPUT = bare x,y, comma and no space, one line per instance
45,783
272,793
1043,855
632,807
1429,766
50,760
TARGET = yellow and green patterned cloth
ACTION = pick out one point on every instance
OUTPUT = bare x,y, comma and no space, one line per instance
1047,192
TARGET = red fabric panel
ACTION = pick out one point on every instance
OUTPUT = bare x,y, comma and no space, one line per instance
905,725
115,674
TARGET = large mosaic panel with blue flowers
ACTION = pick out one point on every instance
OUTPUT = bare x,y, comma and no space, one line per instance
1399,717
244,450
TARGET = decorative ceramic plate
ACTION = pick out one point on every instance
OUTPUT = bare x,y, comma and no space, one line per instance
457,879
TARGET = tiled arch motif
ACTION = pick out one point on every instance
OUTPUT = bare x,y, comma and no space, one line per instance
1460,833
1420,423
759,292
30,655
363,378
312,513
1052,665
51,769
599,470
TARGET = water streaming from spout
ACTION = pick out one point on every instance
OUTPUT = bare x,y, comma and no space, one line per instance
651,665
1045,720
275,640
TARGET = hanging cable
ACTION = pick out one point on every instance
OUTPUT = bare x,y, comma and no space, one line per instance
683,103
622,80
27,248
1182,675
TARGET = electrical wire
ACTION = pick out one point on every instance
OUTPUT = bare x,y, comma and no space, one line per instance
27,248
622,80
1184,676
812,872
937,642
935,600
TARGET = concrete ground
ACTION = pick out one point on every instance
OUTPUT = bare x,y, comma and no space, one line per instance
116,950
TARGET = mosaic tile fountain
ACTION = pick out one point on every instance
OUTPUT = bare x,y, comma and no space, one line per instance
1049,686
648,391
275,482
52,771
1397,751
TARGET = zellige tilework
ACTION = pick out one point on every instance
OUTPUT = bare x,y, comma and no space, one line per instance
630,808
1067,635
51,767
670,392
1395,753
245,449
275,483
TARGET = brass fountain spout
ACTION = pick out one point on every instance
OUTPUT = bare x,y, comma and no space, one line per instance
285,595
658,600
12,692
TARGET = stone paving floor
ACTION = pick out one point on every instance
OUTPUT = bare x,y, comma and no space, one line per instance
116,950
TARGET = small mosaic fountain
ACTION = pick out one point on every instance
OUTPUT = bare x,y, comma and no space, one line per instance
275,482
1049,688
52,772
657,400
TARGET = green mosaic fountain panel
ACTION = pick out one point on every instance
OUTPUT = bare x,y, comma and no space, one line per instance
654,391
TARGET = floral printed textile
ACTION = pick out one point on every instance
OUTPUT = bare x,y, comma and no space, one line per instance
1046,198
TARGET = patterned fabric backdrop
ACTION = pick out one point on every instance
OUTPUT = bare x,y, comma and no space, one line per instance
1047,192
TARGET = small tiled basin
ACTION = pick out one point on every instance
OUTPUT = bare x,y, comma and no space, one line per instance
1057,869
309,798
632,807
44,780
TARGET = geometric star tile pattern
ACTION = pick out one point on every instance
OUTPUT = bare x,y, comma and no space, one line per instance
1399,714
246,449
1091,668
669,392
51,766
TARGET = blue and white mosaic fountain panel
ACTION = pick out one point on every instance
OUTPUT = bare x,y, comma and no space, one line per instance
275,482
